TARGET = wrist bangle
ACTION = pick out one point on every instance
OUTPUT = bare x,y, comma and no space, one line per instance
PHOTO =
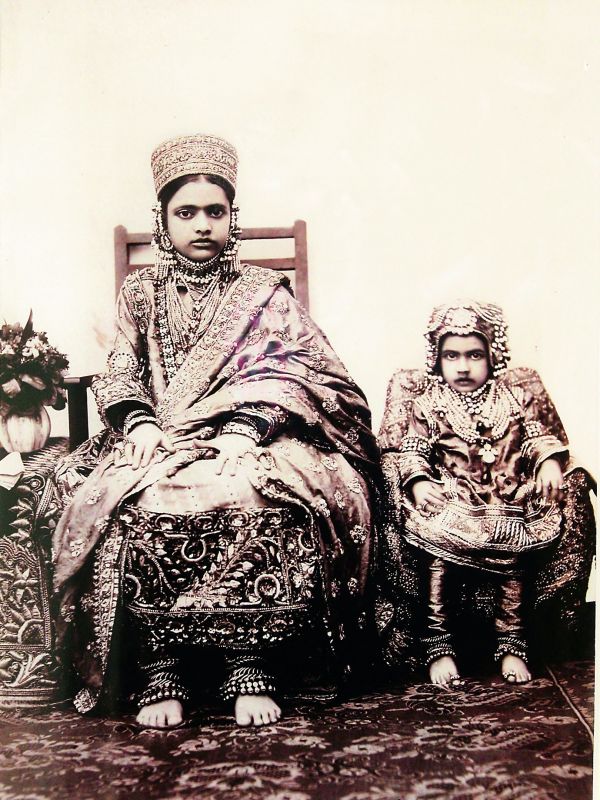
243,428
137,412
130,426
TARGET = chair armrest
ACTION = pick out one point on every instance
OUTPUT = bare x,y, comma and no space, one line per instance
528,379
404,387
77,405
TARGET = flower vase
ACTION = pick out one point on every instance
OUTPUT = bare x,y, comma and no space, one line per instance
24,432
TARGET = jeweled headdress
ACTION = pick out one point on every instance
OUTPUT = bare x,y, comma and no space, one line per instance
194,155
466,317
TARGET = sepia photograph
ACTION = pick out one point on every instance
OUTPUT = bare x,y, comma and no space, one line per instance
298,399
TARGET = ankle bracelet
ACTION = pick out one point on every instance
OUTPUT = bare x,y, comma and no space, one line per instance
511,646
163,683
437,647
249,679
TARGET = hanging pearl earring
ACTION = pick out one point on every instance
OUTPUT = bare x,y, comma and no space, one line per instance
159,234
229,253
166,243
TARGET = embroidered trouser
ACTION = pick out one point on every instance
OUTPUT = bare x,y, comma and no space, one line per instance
509,626
240,580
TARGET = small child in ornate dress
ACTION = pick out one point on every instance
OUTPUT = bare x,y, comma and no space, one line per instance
481,478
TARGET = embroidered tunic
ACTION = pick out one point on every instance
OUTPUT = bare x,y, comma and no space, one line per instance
487,474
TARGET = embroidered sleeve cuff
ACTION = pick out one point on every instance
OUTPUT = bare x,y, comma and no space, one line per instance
111,390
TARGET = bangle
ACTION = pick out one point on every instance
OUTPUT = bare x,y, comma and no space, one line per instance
266,419
130,425
137,412
243,428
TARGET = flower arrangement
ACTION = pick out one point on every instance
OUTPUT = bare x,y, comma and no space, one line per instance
31,370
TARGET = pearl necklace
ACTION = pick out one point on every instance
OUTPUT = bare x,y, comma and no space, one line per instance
197,274
473,402
490,408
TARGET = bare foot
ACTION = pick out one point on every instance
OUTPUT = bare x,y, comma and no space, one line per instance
443,672
166,714
514,670
256,709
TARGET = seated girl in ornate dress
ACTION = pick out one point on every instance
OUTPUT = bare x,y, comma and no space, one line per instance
480,480
226,506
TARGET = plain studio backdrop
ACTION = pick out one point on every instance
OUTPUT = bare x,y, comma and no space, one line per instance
435,149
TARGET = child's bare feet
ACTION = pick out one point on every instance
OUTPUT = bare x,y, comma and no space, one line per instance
166,714
443,672
514,670
256,709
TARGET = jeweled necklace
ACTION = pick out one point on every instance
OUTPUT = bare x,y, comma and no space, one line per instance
196,273
179,331
202,284
489,408
473,402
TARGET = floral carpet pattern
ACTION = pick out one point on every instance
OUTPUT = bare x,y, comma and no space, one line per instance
484,740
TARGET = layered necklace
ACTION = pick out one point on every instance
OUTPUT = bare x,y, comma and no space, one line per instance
480,417
204,283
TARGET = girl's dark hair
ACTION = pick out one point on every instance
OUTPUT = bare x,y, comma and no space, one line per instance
167,192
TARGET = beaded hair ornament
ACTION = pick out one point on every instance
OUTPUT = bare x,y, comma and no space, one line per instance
463,318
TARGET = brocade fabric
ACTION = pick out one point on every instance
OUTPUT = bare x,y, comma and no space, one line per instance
235,579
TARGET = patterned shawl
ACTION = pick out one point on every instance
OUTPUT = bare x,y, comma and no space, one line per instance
261,347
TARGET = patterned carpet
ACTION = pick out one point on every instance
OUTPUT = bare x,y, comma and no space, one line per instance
485,740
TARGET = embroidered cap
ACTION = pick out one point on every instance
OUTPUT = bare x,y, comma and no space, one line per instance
194,155
466,317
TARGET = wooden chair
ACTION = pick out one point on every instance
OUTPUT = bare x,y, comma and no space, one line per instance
132,252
